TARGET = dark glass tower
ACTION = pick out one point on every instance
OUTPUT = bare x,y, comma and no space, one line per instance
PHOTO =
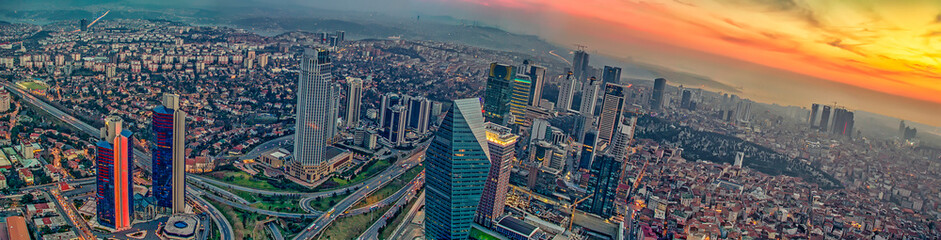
114,173
656,99
498,92
611,75
602,185
457,164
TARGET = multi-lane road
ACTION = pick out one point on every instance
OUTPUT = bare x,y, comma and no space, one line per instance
369,186
221,222
372,233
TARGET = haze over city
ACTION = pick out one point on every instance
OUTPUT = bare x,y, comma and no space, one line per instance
460,119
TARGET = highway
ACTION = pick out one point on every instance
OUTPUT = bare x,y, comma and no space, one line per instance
275,233
274,193
373,231
395,196
257,210
400,232
370,185
221,222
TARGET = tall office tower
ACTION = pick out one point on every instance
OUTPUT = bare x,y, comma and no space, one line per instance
602,185
622,138
398,122
656,98
813,114
83,24
341,36
539,130
825,118
558,136
457,164
519,100
315,97
685,100
169,163
354,97
566,93
502,145
115,173
837,118
419,114
739,159
848,127
612,107
385,109
611,75
901,128
588,150
498,92
537,74
580,65
590,97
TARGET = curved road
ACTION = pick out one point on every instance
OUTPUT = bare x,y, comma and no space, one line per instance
373,231
275,193
221,222
370,185
260,211
388,200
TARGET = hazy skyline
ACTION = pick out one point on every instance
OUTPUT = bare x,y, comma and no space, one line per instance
871,56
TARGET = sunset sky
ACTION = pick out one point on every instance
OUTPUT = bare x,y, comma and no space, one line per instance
877,56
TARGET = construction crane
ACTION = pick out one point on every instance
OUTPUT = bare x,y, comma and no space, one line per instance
572,217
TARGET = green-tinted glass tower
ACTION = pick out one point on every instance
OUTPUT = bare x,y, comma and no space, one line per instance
457,164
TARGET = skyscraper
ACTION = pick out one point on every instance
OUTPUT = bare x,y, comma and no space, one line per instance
611,75
813,114
316,113
537,74
589,97
385,109
622,138
519,100
566,92
612,107
502,145
354,97
397,124
602,185
457,165
83,24
656,99
419,114
687,97
498,92
825,118
114,176
587,153
580,65
169,166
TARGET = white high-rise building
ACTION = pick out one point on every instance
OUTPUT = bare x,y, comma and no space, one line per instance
354,97
622,138
566,92
739,158
589,97
316,114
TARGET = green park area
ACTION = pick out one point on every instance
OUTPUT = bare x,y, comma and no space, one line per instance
393,186
324,203
33,85
351,227
481,235
235,176
370,169
245,225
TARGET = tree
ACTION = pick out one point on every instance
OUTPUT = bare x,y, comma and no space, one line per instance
27,198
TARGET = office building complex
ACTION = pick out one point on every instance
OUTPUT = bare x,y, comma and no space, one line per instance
498,92
457,165
537,75
385,109
419,114
316,115
169,166
502,145
398,118
354,96
843,122
611,75
602,185
114,175
566,93
612,108
656,98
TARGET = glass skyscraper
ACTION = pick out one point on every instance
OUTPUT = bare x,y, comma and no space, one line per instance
169,175
114,176
499,89
457,164
316,114
603,185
